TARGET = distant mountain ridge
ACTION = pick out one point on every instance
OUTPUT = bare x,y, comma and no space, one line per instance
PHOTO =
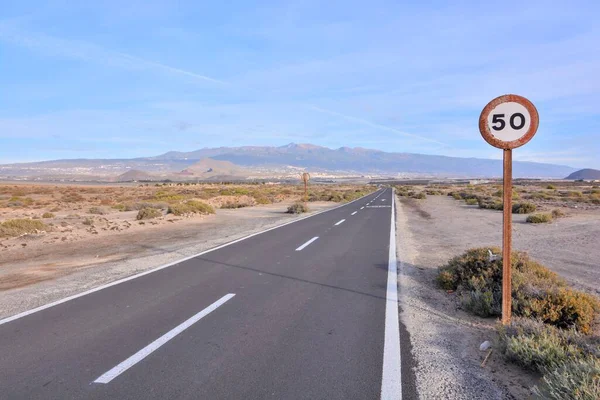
295,156
363,160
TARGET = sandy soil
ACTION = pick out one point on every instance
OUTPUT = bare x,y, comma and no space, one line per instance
446,339
41,268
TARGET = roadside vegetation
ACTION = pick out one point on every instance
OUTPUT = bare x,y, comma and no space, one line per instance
297,208
18,227
554,329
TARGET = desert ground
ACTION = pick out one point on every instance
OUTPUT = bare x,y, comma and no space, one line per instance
85,236
445,338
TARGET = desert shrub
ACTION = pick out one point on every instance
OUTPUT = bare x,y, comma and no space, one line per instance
472,202
191,207
148,213
97,211
142,205
168,197
17,227
88,222
47,215
419,196
489,203
539,346
537,292
539,218
261,199
120,207
456,196
72,197
523,208
234,204
551,187
557,213
576,379
297,208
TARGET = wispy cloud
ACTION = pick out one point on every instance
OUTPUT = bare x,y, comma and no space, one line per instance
82,50
376,126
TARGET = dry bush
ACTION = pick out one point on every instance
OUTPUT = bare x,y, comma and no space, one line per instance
191,207
148,213
557,213
297,208
537,292
97,211
47,215
539,218
472,202
17,227
523,208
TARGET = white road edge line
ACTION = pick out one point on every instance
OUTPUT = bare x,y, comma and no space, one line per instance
307,243
339,222
96,289
354,213
146,351
391,381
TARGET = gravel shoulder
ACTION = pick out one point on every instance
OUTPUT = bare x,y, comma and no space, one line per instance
41,272
445,339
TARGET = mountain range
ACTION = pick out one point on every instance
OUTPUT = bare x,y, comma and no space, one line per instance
267,160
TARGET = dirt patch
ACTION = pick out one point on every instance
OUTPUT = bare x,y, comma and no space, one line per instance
415,206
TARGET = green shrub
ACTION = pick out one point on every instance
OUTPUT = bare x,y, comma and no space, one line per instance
17,227
576,379
523,208
537,292
260,199
489,203
551,187
234,204
47,215
538,346
539,218
148,213
297,208
419,196
472,202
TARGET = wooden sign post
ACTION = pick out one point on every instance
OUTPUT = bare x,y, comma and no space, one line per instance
508,122
305,177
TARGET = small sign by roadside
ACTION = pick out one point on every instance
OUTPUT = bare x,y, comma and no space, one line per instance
508,122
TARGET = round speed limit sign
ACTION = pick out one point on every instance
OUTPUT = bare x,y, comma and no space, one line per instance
508,121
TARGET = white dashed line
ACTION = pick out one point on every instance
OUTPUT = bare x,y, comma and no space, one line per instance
307,243
354,213
339,222
361,208
146,351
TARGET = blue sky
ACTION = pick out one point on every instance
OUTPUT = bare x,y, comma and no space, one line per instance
116,79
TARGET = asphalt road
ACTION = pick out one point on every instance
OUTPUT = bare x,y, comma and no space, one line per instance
279,315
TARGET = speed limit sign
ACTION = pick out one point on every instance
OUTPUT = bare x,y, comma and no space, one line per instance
508,121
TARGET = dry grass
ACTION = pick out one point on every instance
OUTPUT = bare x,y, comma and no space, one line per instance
18,227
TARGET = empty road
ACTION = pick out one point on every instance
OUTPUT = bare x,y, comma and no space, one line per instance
304,311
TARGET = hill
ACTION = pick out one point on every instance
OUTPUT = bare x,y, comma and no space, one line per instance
135,175
208,168
587,174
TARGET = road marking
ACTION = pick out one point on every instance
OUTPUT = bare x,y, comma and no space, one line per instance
101,287
379,206
391,381
382,199
362,208
307,243
146,351
339,222
354,213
